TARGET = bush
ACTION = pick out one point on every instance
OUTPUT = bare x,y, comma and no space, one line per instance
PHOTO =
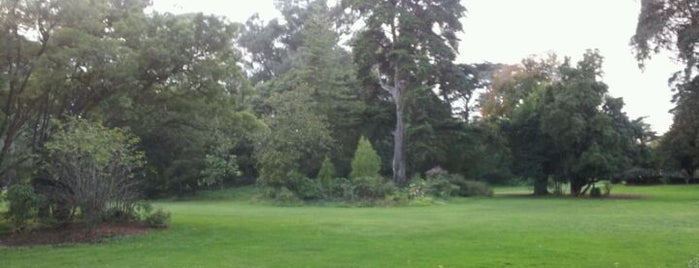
366,162
442,187
93,167
416,188
158,219
473,188
445,184
309,189
326,172
336,188
119,215
23,206
371,188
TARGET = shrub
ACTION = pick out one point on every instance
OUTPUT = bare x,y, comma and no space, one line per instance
442,187
94,167
326,172
23,205
158,219
443,184
596,192
371,188
469,188
309,189
366,162
119,215
416,188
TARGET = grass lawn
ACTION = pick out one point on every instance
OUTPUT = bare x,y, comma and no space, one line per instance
659,231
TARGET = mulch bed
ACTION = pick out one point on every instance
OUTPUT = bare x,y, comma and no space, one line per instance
72,234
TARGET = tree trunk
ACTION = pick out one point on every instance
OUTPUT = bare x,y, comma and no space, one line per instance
576,186
541,186
399,136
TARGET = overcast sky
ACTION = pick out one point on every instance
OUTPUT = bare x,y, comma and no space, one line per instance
506,31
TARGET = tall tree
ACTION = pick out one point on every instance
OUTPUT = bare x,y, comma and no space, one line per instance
673,25
409,43
57,58
561,124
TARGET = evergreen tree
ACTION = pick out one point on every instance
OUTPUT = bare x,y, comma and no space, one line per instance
366,162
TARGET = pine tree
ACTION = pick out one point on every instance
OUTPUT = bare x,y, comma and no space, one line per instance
366,162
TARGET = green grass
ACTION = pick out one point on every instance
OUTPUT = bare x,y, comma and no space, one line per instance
659,231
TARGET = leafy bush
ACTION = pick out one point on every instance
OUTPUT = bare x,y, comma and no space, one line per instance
443,184
372,188
23,205
442,187
94,167
326,172
469,188
366,162
119,215
309,189
416,188
336,188
158,219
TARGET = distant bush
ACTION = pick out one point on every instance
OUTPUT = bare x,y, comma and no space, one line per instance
119,215
442,187
309,189
596,192
23,205
327,171
366,162
158,219
446,184
372,188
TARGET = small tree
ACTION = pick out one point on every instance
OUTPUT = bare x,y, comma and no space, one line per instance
366,162
327,171
94,167
22,205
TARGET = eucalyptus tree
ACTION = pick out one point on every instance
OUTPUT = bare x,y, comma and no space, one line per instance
671,25
405,46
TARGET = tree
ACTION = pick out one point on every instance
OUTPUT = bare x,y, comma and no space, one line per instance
94,168
408,44
327,171
296,142
366,163
594,138
59,57
561,124
672,25
188,103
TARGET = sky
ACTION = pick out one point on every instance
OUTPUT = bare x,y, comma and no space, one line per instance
507,31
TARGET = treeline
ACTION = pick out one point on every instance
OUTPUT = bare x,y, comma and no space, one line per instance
214,103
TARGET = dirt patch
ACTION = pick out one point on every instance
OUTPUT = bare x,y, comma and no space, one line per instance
72,234
611,196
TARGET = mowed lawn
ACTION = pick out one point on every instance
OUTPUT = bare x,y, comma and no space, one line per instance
659,231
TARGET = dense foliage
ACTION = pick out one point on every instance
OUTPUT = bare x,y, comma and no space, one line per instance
282,104
672,25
